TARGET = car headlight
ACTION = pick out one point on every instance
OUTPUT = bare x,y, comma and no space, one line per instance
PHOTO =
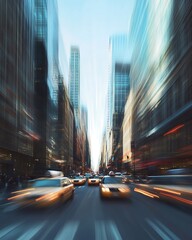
105,189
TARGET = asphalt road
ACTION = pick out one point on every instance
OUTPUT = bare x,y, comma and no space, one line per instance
87,217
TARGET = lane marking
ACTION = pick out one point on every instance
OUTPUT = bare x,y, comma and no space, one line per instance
157,229
106,230
100,231
114,232
167,230
31,232
7,230
68,231
45,235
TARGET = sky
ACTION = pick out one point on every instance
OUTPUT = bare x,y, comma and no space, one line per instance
88,24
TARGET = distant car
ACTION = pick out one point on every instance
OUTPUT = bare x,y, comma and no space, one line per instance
113,187
118,174
44,192
94,180
78,180
101,175
87,175
128,178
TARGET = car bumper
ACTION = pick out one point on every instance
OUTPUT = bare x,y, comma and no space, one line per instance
115,194
93,183
78,183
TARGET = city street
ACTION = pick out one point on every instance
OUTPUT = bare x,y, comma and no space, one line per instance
87,217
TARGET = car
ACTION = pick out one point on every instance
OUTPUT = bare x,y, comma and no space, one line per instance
118,174
175,189
44,192
78,180
128,178
101,175
87,175
94,180
114,187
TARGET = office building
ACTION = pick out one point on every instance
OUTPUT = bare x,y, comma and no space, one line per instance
118,89
16,87
161,83
74,80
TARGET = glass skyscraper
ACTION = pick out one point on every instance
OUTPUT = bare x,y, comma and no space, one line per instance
161,83
16,86
121,86
74,79
118,87
119,50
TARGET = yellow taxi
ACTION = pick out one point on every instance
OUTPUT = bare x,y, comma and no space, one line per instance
114,187
78,180
44,192
93,180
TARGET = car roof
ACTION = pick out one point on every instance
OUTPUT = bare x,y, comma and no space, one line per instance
115,176
53,178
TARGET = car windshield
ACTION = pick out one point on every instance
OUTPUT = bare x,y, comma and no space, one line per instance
93,177
112,180
78,177
46,183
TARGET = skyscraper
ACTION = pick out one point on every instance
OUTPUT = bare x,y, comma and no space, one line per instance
161,86
40,85
16,87
74,79
118,88
121,88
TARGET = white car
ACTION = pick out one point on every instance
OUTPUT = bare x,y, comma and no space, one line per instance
114,187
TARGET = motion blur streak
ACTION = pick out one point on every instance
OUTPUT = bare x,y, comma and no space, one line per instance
178,198
31,232
174,130
68,231
167,190
49,196
100,231
106,230
7,230
164,233
114,231
148,194
24,190
18,196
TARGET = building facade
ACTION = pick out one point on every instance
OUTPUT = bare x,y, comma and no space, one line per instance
161,83
40,84
74,79
64,129
16,87
118,90
121,90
